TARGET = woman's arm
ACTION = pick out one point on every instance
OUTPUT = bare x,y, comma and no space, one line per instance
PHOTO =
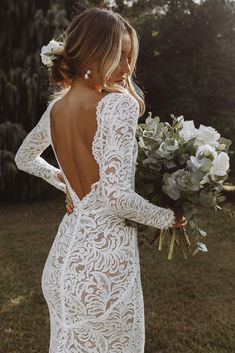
116,169
28,157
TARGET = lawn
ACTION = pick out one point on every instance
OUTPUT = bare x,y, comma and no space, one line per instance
189,304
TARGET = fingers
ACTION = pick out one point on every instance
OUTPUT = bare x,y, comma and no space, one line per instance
68,197
184,224
69,206
183,219
69,202
181,222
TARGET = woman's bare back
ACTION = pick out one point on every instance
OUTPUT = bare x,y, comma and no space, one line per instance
73,127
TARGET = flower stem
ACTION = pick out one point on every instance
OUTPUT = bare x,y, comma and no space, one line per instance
161,238
172,242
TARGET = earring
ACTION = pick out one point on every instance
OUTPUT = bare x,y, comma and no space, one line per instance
87,74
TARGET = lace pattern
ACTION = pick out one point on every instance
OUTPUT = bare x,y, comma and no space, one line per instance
28,157
117,168
91,279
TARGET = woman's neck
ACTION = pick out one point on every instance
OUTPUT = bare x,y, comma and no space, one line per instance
79,82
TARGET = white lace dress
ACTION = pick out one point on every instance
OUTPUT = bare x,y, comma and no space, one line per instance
91,279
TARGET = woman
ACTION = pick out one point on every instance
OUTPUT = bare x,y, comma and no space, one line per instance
91,279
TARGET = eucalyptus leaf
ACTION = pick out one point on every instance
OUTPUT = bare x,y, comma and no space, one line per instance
202,232
202,246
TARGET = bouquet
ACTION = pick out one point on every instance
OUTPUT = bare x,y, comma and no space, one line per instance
181,166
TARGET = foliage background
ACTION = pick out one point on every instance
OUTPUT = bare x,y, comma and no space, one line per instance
186,66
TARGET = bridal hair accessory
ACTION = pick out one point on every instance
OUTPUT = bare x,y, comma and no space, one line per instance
87,74
50,51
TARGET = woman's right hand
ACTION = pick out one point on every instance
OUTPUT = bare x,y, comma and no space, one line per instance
69,202
181,221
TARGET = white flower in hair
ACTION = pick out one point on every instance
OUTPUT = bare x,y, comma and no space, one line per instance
49,52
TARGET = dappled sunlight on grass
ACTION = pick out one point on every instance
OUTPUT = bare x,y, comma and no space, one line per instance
11,303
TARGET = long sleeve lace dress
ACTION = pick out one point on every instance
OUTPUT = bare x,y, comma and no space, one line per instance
91,279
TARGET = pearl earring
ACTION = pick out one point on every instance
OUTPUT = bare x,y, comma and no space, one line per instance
87,74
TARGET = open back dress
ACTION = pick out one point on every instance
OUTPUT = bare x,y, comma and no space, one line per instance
91,279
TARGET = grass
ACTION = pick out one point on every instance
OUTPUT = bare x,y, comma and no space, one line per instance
189,305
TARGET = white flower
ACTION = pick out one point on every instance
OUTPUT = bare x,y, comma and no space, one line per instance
220,165
53,47
188,130
206,151
49,52
207,135
46,60
205,154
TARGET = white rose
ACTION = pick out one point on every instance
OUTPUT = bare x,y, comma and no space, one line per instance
207,135
188,130
49,51
54,47
46,60
220,165
206,151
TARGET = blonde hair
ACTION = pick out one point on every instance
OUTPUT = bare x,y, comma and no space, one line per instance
96,36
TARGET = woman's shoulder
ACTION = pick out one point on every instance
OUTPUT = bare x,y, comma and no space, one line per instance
97,101
113,99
